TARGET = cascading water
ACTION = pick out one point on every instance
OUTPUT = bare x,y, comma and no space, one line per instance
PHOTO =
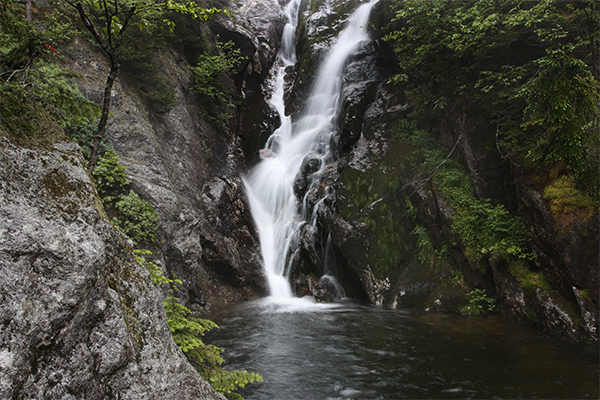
270,184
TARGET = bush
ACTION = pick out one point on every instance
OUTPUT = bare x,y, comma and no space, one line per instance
109,176
479,303
136,218
484,229
186,331
208,74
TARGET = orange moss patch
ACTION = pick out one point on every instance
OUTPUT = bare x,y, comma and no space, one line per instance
567,203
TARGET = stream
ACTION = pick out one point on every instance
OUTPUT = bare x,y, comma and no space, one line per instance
314,351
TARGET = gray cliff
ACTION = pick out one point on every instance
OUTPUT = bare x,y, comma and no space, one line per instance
189,169
80,318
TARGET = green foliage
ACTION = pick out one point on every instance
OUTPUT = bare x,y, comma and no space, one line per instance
137,56
136,218
485,229
457,278
208,74
424,244
109,176
206,358
31,81
107,23
83,135
113,18
227,382
158,279
528,64
479,303
562,113
187,332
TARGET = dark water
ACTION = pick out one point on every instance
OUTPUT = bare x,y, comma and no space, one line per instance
349,351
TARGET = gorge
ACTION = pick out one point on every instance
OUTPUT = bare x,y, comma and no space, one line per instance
337,208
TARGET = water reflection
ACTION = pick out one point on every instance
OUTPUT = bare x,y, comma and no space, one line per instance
348,351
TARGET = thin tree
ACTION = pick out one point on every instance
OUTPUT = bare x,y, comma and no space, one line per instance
108,32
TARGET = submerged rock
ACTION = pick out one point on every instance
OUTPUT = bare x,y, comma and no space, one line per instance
80,318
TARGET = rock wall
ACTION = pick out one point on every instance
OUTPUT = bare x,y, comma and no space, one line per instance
79,317
189,169
375,233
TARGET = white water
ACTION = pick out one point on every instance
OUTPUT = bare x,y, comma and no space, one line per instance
270,184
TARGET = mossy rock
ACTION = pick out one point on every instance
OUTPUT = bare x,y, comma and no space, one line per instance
372,202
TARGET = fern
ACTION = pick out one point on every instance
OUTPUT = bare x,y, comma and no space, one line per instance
136,218
187,332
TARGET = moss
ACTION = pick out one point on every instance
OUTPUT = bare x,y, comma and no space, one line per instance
528,280
565,198
58,184
378,211
28,124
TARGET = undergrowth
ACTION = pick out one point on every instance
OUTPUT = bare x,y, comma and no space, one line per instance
187,332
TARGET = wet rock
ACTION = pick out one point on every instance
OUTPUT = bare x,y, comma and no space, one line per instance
256,30
360,86
266,153
308,285
309,166
510,293
80,318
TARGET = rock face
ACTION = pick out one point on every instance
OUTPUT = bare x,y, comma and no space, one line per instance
189,169
80,318
393,253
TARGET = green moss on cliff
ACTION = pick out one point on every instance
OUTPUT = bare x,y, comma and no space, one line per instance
379,214
565,198
528,280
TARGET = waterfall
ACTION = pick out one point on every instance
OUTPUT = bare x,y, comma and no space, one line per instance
269,185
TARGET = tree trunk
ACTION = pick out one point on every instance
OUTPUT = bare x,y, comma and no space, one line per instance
114,71
28,10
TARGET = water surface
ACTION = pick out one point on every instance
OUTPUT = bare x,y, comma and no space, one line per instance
349,351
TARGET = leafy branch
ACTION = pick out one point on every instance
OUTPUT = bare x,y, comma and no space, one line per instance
109,31
187,332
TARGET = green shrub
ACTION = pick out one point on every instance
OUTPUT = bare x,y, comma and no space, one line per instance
479,303
206,358
484,229
37,99
186,331
208,73
136,218
109,176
